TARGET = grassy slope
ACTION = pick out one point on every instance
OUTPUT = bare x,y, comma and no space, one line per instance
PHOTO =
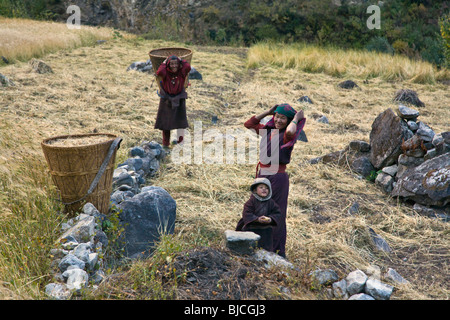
91,89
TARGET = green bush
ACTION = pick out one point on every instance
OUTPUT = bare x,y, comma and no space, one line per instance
434,51
380,44
444,28
267,31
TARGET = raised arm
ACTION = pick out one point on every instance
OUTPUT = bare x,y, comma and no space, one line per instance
253,122
292,127
269,112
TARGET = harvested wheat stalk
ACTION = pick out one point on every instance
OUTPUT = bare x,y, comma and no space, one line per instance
73,141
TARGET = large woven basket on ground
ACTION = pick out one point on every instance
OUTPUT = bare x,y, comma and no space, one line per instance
157,56
74,167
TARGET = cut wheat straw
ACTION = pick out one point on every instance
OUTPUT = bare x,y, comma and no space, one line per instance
79,141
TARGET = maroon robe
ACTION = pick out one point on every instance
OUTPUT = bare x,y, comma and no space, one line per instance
253,209
279,181
172,105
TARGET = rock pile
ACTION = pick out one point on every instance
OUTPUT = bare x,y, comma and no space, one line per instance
412,162
357,285
144,162
141,66
144,214
78,257
415,163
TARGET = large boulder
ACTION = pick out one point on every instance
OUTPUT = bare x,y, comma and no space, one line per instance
388,133
427,184
145,217
356,154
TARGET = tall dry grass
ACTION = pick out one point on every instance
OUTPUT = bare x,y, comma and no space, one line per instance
23,39
348,63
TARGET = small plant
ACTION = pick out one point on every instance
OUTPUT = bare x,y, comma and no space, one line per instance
116,34
156,277
373,175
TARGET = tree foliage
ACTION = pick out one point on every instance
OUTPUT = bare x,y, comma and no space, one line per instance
416,28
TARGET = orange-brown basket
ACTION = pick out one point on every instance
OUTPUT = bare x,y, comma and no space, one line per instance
157,56
74,167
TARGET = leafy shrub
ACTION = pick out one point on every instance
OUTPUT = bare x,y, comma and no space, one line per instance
267,31
444,26
402,47
380,44
434,51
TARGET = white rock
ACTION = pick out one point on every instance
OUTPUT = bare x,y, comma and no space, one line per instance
378,289
93,260
361,296
355,282
340,289
395,277
81,231
76,279
272,259
57,291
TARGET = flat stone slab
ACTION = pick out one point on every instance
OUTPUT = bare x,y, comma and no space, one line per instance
244,242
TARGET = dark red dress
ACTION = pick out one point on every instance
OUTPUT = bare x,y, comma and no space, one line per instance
172,104
279,179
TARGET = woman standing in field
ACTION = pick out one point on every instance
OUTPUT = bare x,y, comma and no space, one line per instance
172,104
280,134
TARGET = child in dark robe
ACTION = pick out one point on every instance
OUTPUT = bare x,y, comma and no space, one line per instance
289,124
260,213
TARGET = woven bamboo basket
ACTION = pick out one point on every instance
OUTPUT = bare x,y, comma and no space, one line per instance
157,56
74,167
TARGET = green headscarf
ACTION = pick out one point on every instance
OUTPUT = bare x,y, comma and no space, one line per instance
286,110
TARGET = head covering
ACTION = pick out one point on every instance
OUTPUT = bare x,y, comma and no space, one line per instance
286,110
263,181
173,57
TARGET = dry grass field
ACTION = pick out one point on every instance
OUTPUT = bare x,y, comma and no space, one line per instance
90,90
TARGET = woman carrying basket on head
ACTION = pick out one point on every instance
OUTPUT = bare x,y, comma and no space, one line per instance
172,104
279,135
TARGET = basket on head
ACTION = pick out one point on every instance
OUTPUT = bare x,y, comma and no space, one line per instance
157,56
74,161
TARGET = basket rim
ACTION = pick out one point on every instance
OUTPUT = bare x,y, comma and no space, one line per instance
45,142
189,51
